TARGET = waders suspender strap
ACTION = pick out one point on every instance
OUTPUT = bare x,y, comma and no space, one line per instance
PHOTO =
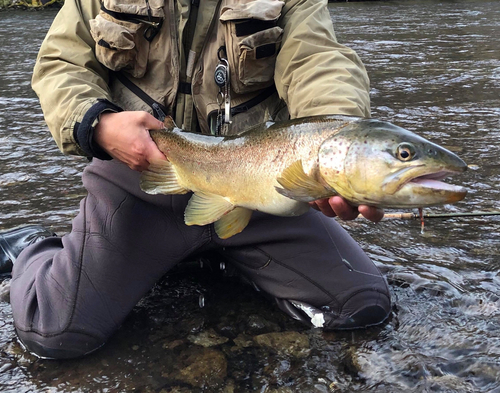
159,110
185,112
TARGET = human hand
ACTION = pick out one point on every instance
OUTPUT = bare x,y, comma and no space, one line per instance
125,136
338,206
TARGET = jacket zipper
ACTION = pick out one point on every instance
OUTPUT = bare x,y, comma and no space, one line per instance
153,20
153,23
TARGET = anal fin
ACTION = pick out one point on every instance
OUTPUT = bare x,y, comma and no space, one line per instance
299,186
233,222
205,208
161,178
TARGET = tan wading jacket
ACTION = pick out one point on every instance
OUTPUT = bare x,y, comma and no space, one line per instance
279,52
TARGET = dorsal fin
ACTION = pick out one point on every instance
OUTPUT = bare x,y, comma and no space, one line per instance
169,123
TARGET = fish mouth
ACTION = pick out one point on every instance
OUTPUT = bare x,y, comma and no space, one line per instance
423,186
431,185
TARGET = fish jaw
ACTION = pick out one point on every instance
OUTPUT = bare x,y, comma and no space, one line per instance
428,190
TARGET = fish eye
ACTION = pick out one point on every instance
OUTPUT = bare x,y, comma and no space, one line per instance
405,152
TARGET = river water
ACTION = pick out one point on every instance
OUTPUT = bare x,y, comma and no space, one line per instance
435,69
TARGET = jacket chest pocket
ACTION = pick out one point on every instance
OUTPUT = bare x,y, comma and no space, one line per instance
123,31
252,41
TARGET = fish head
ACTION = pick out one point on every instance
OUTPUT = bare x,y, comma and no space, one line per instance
380,164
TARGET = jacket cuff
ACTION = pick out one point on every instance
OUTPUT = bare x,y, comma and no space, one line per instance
84,132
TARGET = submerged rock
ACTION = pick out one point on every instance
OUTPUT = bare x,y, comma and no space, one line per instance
293,344
283,389
257,324
5,291
176,389
203,368
172,344
242,341
208,338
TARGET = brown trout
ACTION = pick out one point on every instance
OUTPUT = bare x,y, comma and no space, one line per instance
279,168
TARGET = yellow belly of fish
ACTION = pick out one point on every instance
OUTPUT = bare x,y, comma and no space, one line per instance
259,195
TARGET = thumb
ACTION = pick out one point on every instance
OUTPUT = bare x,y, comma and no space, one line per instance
152,123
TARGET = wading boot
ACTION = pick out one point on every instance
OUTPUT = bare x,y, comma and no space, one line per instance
13,241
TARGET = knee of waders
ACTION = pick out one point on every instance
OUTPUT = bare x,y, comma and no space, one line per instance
363,309
64,345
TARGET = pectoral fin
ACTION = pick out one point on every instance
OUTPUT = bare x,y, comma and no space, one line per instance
161,178
299,186
233,222
204,208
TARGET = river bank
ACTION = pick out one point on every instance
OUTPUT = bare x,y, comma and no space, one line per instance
29,4
41,4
